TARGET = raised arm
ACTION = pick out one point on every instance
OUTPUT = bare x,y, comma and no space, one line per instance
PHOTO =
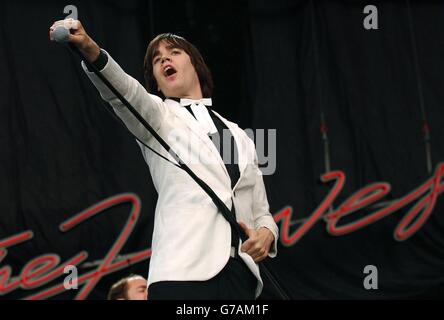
149,106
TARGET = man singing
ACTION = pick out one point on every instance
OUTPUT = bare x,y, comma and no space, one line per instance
195,254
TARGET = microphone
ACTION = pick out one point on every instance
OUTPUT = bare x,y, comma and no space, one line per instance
61,34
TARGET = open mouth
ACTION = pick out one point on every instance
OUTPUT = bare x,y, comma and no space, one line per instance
169,71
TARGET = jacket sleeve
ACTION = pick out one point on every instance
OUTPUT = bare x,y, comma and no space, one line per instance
261,209
149,106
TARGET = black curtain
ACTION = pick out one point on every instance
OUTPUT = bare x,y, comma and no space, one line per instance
314,58
61,151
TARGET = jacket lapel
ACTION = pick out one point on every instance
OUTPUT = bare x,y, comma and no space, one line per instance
240,145
192,124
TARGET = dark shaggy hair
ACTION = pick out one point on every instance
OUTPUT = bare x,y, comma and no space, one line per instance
119,290
202,70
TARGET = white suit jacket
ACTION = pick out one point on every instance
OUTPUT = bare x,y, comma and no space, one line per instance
191,239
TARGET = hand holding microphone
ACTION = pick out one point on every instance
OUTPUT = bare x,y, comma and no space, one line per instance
72,31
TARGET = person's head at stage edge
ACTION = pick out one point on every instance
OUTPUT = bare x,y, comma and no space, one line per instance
133,287
173,67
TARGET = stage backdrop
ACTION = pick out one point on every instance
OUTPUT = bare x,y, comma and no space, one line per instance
359,124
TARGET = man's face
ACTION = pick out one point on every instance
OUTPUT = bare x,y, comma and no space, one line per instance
136,289
174,73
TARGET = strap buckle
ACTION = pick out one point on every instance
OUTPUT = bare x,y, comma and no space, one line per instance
233,252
